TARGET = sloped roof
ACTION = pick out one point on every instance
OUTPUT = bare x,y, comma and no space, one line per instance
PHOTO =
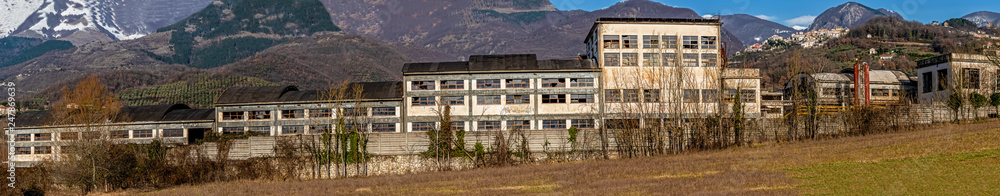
370,90
254,94
150,113
494,63
189,114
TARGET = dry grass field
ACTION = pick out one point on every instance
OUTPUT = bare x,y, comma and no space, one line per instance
955,159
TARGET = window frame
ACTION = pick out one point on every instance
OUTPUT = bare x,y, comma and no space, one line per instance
488,84
453,100
118,134
709,59
582,123
581,82
613,95
321,113
629,59
171,132
234,115
259,130
42,150
651,59
423,126
558,82
549,99
690,59
691,96
296,129
522,124
520,83
233,130
22,137
142,133
553,124
423,101
709,42
611,41
488,125
489,99
612,59
669,41
631,96
383,127
452,85
293,114
650,41
517,99
586,98
630,41
383,111
690,42
651,95
255,115
422,85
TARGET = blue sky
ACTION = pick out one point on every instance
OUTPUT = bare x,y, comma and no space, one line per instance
800,12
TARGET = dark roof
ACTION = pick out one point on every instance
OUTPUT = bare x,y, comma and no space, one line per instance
191,114
493,63
934,60
659,20
370,90
149,112
253,94
33,118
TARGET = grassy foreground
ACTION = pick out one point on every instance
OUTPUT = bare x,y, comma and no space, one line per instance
944,160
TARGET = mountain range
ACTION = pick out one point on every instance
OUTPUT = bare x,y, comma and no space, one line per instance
983,18
848,15
751,30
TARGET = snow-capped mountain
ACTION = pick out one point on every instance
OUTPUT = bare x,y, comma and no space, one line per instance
849,15
14,13
982,18
115,19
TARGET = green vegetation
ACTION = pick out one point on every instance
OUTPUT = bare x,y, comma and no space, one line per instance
196,92
230,50
36,51
933,175
961,23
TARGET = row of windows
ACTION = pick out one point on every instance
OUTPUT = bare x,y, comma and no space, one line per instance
496,83
116,134
37,150
315,113
712,95
511,124
875,92
498,99
664,59
657,41
971,79
313,129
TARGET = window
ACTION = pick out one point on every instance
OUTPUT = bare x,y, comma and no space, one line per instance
43,150
630,59
261,130
582,123
320,128
709,60
453,84
518,83
458,125
690,95
880,92
422,85
669,59
384,111
423,126
518,124
422,101
650,59
488,84
690,42
582,98
173,133
232,116
709,96
518,99
613,96
581,82
255,115
651,95
708,42
384,127
611,41
487,125
690,60
650,41
928,83
66,136
488,99
355,112
142,133
293,113
22,150
942,79
453,100
22,137
630,95
92,135
293,129
630,41
553,82
750,96
970,78
611,59
895,93
554,124
119,134
554,98
232,130
670,41
320,113
729,95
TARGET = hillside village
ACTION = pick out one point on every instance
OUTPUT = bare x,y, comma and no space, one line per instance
208,99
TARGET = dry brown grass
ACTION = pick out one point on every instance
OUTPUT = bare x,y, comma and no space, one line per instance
752,170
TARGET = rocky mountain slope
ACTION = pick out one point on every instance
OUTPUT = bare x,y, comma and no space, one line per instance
848,15
982,18
751,30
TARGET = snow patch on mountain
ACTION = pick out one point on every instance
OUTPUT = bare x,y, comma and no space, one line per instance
15,11
117,19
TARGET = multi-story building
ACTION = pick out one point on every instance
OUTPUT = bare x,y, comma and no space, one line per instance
886,87
668,66
500,92
968,73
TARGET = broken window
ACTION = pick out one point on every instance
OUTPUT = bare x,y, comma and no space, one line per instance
453,100
650,41
232,130
518,99
651,95
293,129
611,59
690,42
630,41
43,137
690,60
613,96
581,82
929,83
320,113
630,59
293,113
257,115
709,60
553,82
970,78
708,42
581,98
690,95
942,79
518,83
611,41
650,59
554,98
487,84
422,101
422,85
630,95
320,128
261,130
452,84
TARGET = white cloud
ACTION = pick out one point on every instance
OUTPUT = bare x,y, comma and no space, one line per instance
801,20
707,16
766,17
797,27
